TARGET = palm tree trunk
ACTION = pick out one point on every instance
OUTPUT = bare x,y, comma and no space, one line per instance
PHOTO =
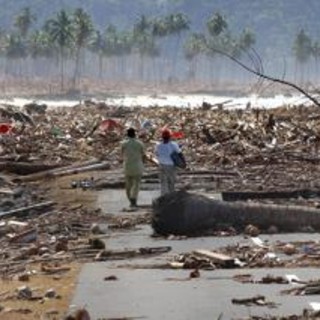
76,69
191,214
62,68
100,65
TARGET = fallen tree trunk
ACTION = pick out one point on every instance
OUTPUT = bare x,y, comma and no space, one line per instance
246,195
184,213
26,210
25,168
87,166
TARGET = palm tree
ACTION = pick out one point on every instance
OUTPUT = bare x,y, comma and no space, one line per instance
41,47
193,47
247,39
177,24
110,37
217,24
316,56
82,30
15,49
144,41
60,31
123,48
219,38
302,49
24,21
97,45
146,47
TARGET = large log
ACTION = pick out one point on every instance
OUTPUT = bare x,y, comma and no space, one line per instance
25,168
246,195
184,213
39,207
69,170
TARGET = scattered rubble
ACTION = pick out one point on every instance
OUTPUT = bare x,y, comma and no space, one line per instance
271,156
242,142
254,301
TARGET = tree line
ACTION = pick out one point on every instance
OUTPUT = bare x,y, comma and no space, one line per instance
154,49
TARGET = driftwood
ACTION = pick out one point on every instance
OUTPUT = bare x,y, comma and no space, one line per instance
240,196
25,210
127,254
185,213
84,167
216,257
25,168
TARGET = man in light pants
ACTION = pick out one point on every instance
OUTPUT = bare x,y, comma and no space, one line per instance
133,154
163,153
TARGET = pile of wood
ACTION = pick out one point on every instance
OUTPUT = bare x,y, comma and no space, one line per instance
267,148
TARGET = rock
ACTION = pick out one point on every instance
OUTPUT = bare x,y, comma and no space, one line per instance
52,312
24,293
251,230
43,250
61,246
95,229
307,229
7,205
51,293
195,274
273,230
96,243
289,249
33,250
34,107
24,277
80,314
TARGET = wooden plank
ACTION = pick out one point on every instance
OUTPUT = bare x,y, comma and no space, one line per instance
216,257
246,195
24,210
64,171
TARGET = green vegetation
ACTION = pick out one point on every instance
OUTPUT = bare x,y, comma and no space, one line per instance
157,41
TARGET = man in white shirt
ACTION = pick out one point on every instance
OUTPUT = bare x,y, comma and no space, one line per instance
163,153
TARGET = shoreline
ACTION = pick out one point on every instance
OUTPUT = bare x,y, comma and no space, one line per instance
166,100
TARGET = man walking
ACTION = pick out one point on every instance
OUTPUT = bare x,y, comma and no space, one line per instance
163,153
133,155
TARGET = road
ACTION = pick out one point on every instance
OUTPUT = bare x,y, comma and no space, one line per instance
168,294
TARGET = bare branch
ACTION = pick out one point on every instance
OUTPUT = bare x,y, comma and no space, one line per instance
264,76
